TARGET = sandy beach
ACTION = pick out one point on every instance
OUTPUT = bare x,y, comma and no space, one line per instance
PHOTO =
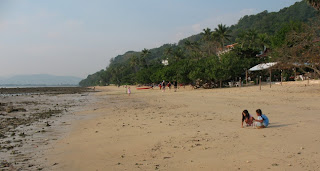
194,130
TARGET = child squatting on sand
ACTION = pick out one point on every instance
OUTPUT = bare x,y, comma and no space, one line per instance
262,121
246,117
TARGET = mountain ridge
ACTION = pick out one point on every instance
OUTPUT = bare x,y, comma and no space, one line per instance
269,25
299,11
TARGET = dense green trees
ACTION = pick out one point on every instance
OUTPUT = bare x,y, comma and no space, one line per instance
315,4
195,59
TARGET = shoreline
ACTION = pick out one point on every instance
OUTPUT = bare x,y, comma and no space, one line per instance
32,119
194,129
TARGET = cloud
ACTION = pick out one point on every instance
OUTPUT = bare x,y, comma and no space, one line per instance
196,27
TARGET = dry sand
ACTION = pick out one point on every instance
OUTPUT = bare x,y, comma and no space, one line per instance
194,130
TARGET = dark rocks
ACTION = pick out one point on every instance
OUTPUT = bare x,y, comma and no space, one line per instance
4,164
48,123
2,136
46,114
22,134
9,109
19,116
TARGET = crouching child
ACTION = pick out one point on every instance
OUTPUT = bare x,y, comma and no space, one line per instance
262,120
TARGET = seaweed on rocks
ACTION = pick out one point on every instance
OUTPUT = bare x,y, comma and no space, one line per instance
46,114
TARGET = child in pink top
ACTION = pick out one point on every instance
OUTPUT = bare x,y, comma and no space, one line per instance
129,91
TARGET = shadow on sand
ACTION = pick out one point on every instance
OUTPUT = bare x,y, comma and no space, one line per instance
278,125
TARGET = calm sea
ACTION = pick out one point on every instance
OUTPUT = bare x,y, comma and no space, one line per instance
35,86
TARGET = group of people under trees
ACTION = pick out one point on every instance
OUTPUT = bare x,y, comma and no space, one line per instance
262,120
163,85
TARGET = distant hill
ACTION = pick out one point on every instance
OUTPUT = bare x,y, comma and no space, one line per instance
269,23
264,22
40,79
154,54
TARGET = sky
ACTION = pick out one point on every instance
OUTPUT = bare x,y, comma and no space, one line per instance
79,37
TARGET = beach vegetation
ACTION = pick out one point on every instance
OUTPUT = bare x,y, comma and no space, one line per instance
314,3
291,35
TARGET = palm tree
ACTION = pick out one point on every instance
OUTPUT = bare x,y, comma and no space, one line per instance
144,57
207,34
222,34
252,37
208,38
315,4
263,41
194,49
189,45
248,39
134,62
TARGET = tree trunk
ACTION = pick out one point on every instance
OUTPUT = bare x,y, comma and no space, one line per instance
314,69
270,77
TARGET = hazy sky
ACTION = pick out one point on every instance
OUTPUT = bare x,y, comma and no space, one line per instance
78,37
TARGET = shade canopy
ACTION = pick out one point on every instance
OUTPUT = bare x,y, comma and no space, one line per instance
263,66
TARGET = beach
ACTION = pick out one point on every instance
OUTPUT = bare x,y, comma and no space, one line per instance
33,118
184,130
193,130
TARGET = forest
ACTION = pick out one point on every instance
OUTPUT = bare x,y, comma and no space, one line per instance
216,56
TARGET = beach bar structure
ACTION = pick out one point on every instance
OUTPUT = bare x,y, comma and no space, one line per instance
264,66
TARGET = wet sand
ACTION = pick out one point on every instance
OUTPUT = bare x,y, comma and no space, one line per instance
194,130
33,118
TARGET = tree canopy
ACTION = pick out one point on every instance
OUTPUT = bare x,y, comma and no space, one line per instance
289,33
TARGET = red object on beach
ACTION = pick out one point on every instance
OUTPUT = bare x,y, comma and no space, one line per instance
143,88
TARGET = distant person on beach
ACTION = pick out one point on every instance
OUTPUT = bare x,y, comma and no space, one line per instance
163,86
160,85
129,91
247,118
169,85
175,84
192,85
262,121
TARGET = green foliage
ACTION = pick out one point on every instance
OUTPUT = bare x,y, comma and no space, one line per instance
195,58
222,34
270,23
227,66
314,3
279,38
